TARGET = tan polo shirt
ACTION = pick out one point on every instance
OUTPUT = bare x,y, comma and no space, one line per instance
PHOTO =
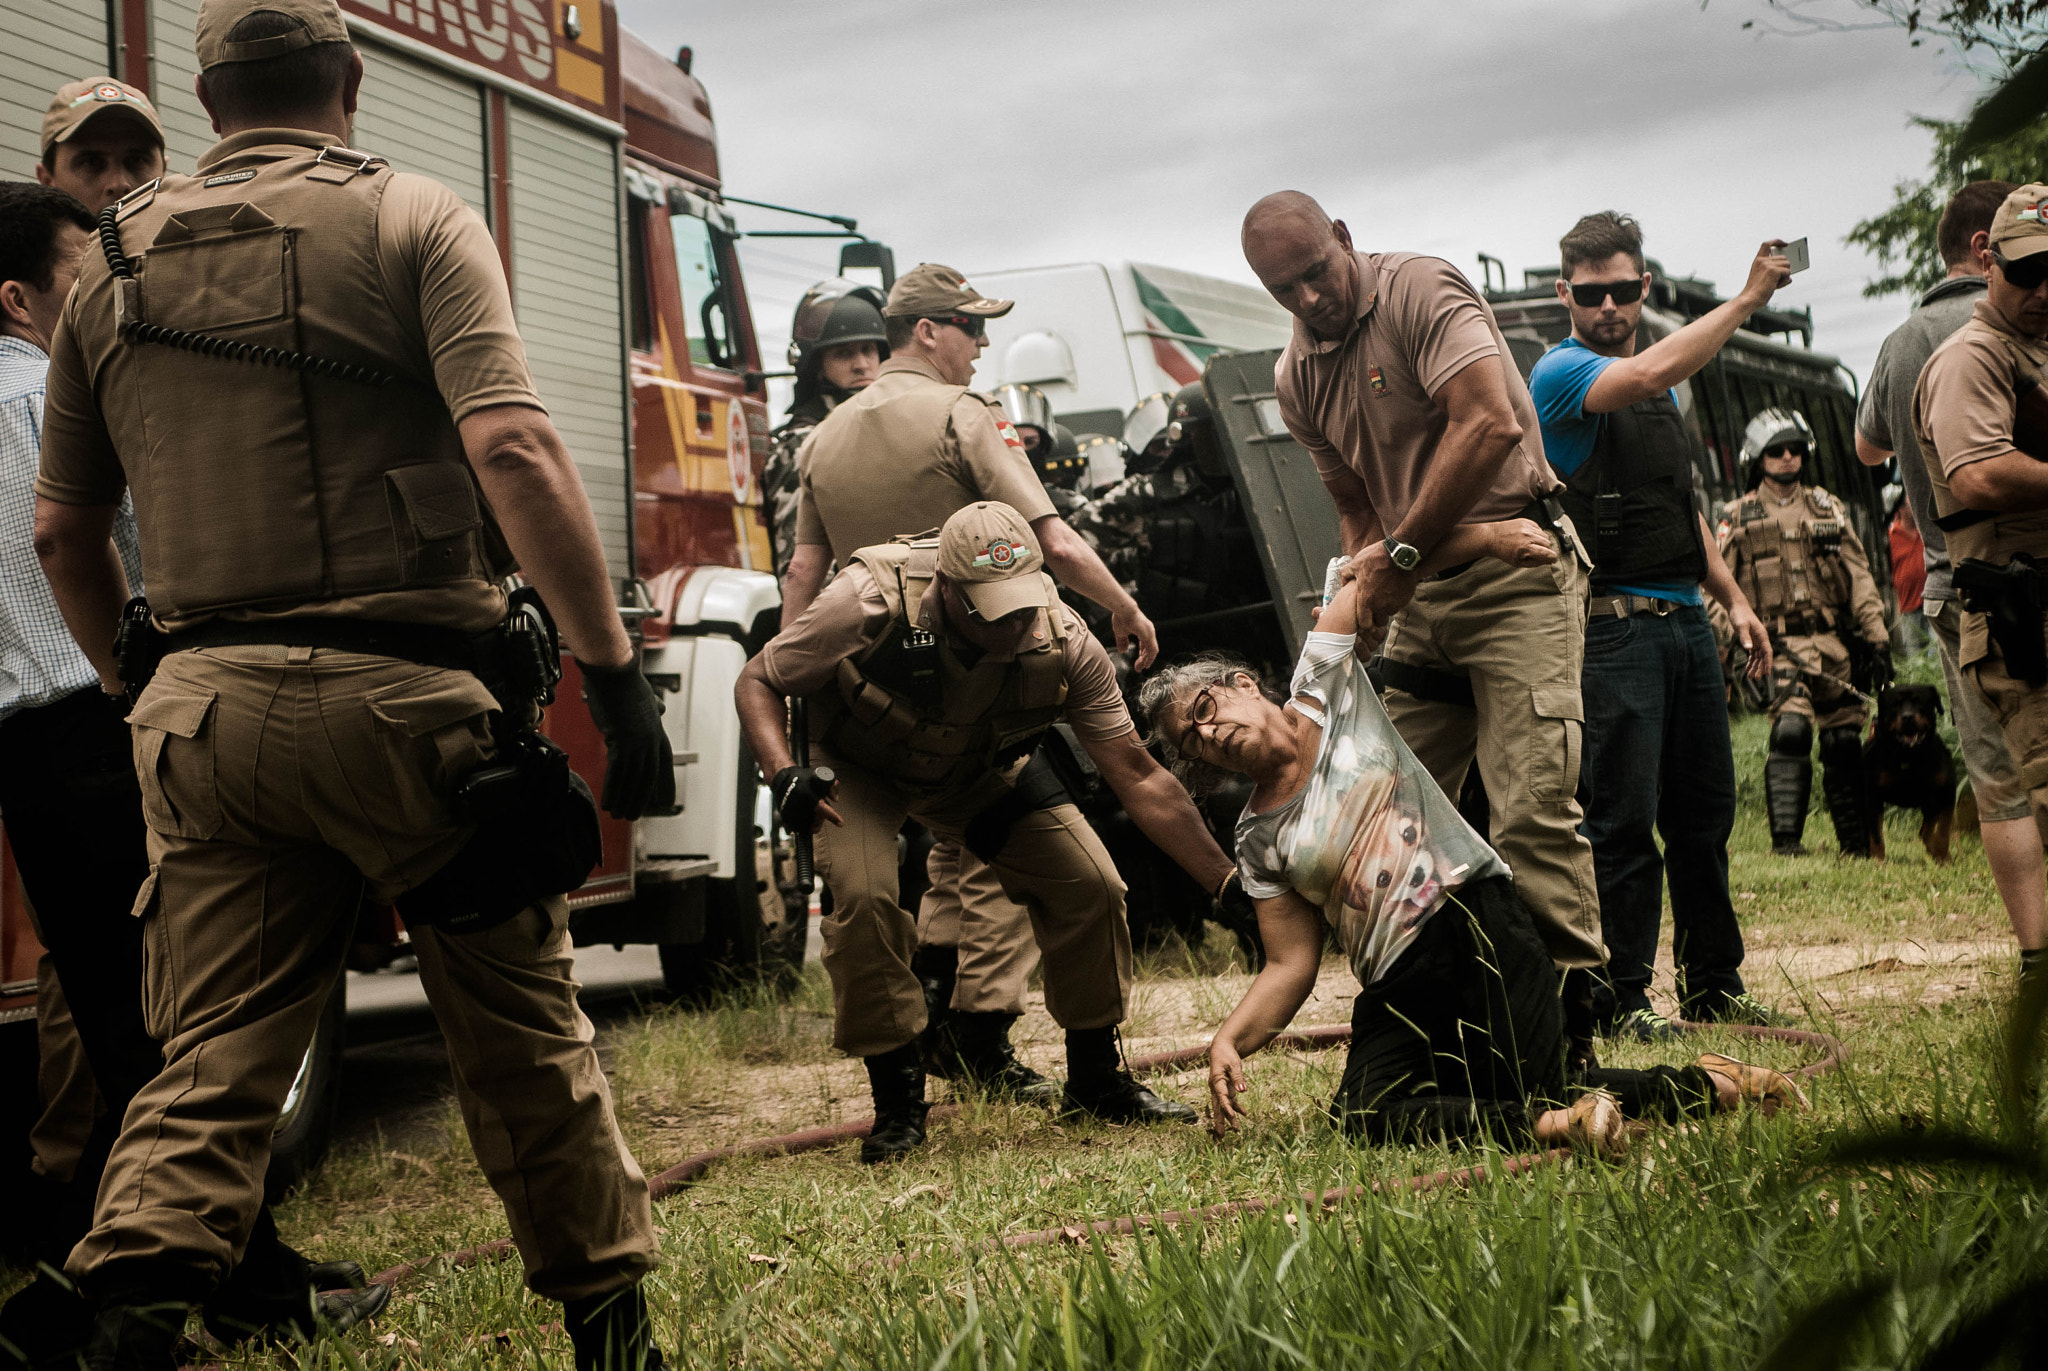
902,455
850,614
1363,401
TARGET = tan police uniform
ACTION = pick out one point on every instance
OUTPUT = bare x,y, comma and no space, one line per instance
1804,571
899,458
281,783
941,765
1363,402
1964,410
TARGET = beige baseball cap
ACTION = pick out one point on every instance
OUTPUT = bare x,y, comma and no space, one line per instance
2020,228
990,552
99,99
929,289
319,21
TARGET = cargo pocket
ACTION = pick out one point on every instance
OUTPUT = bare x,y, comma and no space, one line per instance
159,980
174,762
435,731
1552,760
435,518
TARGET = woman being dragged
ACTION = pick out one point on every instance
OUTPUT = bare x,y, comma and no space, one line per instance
1458,1032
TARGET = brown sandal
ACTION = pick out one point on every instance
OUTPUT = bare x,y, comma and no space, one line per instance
1594,1124
1769,1090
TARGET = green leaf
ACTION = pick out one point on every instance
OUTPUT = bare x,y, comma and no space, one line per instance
2020,101
1981,1337
1942,1147
1821,1337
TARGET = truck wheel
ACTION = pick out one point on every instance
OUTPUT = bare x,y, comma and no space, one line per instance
307,1120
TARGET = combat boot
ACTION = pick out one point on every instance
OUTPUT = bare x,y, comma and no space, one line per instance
897,1080
984,1061
1788,786
937,970
612,1331
1100,1087
1841,783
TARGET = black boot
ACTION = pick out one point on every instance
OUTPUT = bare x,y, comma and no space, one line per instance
132,1333
897,1080
612,1332
1788,785
1586,1000
937,969
985,1062
44,1325
1098,1084
1841,783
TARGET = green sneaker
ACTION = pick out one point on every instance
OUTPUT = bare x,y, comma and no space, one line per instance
1743,1009
1645,1026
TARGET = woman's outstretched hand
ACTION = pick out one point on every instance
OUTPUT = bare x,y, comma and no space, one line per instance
1227,1079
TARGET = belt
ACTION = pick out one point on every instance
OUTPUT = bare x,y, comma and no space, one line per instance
1623,606
419,643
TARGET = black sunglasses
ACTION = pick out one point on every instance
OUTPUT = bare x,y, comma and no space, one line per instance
2026,273
1785,450
1589,295
973,325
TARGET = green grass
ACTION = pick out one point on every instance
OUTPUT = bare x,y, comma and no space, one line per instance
1694,1253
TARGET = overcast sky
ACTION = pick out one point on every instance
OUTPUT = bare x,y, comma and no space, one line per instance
991,135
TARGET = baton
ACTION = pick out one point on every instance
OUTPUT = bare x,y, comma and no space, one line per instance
800,748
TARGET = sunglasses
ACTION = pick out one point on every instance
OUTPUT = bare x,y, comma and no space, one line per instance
973,325
1589,295
1785,450
2027,273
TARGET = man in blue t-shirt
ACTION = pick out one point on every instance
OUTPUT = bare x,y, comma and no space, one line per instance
1657,758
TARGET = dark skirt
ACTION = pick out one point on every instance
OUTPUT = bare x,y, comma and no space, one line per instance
1463,1038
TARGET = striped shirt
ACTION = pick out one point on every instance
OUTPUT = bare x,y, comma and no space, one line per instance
39,662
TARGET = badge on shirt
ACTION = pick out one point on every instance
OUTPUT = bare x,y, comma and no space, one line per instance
1010,435
1377,381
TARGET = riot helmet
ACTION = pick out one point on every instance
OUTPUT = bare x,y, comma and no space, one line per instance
1026,407
1145,431
1769,429
832,312
1191,432
1104,459
1059,461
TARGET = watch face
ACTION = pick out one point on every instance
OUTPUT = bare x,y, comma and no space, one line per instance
1404,556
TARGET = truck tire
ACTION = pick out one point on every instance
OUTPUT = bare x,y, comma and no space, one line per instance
307,1121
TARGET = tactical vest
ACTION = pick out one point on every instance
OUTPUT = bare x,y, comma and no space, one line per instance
1631,499
265,489
1795,580
906,707
1995,536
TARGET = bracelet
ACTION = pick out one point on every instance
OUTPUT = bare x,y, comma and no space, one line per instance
1224,885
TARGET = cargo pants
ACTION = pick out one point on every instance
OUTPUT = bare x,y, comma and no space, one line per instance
1520,634
1053,865
1828,706
966,909
277,783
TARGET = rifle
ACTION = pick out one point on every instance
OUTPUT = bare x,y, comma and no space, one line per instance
800,749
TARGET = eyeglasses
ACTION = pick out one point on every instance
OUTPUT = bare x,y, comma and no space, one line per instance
973,325
1786,450
2027,273
1202,709
1589,295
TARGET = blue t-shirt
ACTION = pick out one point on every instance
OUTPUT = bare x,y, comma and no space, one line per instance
1558,385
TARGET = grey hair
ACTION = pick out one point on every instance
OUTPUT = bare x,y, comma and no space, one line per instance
1172,686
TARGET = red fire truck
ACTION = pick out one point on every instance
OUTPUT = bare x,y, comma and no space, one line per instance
595,162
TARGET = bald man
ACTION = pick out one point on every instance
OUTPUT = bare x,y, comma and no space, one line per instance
1398,383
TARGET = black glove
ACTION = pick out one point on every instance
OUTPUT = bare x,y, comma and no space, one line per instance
639,766
798,791
1870,665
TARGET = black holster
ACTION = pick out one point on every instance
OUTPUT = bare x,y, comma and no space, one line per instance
138,647
2012,598
1038,786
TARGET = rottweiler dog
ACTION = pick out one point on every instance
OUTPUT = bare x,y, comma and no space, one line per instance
1905,763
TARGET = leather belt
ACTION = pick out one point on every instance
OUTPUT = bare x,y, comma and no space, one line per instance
422,644
1623,606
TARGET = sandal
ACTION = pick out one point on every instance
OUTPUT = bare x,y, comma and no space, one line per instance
1769,1090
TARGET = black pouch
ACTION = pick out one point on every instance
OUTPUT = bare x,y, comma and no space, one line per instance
1038,786
537,835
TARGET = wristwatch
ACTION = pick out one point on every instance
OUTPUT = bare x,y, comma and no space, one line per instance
1405,556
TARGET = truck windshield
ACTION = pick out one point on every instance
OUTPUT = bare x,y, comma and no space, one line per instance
703,289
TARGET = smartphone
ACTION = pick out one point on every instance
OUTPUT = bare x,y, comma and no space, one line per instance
1796,253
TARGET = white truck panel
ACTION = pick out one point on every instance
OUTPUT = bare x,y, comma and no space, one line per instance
50,43
423,119
701,725
188,132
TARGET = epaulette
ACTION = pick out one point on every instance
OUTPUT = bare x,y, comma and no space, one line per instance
1752,509
136,199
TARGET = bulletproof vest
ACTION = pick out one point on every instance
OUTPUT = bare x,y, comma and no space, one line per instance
1995,536
1631,499
907,708
264,488
1794,574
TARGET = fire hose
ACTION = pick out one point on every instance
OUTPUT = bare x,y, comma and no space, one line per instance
691,1170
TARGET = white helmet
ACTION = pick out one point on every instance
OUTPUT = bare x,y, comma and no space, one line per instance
1147,423
1769,428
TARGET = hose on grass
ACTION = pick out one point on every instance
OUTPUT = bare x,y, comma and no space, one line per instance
693,1169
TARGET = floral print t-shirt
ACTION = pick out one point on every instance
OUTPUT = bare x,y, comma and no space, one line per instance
1370,840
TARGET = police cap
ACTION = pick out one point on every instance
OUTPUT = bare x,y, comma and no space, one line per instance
929,291
98,101
989,551
319,21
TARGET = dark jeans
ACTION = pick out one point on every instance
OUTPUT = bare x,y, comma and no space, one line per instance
1463,1039
1657,756
73,813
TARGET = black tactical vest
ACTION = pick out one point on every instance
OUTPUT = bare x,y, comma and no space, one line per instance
1631,500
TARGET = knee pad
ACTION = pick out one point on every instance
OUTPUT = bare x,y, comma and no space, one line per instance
1792,735
1842,746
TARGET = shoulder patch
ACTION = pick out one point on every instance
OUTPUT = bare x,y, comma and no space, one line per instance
1821,500
1010,434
